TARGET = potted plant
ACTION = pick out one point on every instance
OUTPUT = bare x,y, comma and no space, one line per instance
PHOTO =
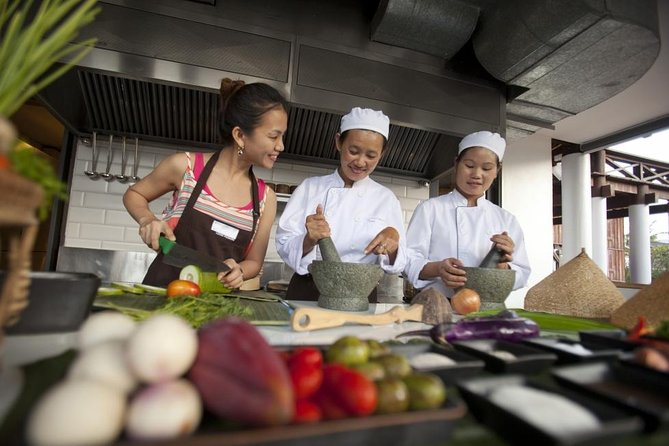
34,39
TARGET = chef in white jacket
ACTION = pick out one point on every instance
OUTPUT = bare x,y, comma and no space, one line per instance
459,228
363,218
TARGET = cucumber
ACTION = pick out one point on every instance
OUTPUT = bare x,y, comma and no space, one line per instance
127,288
151,289
109,291
207,281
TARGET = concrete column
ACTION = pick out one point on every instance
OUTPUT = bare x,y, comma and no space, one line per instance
600,248
576,206
640,267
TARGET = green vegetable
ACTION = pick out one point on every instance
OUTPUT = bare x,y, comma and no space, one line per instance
109,291
207,281
34,167
196,310
548,321
663,330
128,288
151,289
30,50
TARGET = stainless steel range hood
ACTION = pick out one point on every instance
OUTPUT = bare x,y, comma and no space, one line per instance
157,66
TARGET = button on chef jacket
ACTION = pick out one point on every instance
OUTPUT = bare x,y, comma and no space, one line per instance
444,227
356,215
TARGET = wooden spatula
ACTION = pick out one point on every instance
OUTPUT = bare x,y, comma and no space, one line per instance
429,312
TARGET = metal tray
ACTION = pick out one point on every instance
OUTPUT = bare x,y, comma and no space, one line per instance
58,302
635,389
514,428
528,360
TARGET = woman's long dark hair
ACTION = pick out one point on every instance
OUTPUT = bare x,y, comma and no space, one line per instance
243,105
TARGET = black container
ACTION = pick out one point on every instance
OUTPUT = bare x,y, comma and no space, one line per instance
58,302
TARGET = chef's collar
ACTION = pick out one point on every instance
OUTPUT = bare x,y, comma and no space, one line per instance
461,200
356,184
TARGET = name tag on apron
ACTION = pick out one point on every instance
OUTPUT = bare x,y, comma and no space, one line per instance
224,230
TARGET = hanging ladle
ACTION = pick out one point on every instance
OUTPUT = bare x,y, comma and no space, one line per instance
106,175
122,177
93,174
135,178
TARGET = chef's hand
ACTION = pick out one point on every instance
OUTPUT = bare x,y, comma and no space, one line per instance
505,244
317,228
386,242
232,279
451,273
150,230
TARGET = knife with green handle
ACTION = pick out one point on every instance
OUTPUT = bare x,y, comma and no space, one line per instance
178,255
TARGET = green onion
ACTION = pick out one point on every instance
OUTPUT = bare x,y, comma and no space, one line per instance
558,322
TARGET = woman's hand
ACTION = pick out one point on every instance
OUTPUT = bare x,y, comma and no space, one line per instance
505,244
232,279
150,230
386,242
317,228
450,272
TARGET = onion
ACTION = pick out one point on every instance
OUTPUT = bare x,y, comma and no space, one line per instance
104,363
77,413
163,411
466,301
162,348
105,326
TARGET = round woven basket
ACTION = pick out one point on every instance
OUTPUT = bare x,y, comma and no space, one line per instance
19,201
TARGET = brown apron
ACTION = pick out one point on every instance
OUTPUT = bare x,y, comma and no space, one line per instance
194,230
302,287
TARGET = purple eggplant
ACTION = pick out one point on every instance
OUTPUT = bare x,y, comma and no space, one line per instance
505,325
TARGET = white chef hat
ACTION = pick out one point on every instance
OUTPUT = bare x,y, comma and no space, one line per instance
489,140
366,119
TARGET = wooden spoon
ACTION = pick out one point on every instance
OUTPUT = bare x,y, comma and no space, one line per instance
429,312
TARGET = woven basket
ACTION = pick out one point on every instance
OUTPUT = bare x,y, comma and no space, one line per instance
652,302
19,201
578,288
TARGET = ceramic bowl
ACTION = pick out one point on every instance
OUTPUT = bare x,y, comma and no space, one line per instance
493,285
343,285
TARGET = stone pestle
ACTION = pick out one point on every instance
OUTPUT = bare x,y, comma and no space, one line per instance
328,250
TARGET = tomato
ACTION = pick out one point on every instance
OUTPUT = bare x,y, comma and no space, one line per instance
307,356
4,162
349,389
182,288
307,412
306,380
329,407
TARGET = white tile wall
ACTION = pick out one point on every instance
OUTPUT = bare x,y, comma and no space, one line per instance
97,218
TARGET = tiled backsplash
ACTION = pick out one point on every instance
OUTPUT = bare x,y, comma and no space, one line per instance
96,216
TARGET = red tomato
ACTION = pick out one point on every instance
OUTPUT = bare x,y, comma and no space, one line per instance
306,379
330,409
183,288
307,412
351,390
307,356
4,162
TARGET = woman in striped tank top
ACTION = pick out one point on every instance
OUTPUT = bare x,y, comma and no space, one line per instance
218,207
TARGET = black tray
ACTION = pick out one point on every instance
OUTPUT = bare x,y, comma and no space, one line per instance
616,339
465,365
566,356
636,389
615,423
58,302
528,360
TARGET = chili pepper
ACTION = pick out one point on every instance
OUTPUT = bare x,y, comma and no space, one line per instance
641,328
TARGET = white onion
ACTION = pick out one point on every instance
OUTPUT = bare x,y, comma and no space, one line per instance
77,413
162,348
105,326
105,363
163,411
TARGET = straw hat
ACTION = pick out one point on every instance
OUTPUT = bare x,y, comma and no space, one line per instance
651,302
578,288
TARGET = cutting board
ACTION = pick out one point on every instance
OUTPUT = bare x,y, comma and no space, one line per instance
266,308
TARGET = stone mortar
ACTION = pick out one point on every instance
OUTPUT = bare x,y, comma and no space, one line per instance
343,285
493,285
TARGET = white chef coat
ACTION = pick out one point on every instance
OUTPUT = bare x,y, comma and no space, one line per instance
356,215
444,227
